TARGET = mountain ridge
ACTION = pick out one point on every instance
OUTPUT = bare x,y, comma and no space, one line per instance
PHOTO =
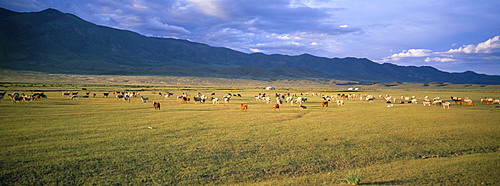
56,42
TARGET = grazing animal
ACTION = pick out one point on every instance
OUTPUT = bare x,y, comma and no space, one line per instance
469,103
244,107
268,100
168,95
340,103
74,96
276,106
427,102
2,95
144,99
437,102
299,101
226,99
457,100
446,104
105,94
414,101
35,96
16,98
215,100
65,93
184,99
279,101
156,105
201,99
127,98
324,103
488,101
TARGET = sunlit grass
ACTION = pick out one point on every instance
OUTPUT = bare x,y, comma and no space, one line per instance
106,141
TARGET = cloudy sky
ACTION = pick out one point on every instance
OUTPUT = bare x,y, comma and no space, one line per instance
450,35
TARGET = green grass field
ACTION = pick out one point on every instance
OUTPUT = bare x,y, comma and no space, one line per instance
106,141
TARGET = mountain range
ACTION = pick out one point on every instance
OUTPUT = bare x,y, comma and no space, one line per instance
55,42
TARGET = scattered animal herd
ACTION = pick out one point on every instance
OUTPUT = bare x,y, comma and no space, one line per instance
298,99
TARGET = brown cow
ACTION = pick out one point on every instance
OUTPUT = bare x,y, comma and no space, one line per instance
156,105
324,103
276,106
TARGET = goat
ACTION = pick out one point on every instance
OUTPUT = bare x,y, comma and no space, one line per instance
198,99
65,93
414,101
16,98
127,98
156,105
457,100
488,101
446,104
37,96
268,100
340,103
437,102
426,102
215,100
168,95
244,107
468,102
299,100
279,101
184,99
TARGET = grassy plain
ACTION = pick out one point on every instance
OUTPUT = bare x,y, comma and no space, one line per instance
105,141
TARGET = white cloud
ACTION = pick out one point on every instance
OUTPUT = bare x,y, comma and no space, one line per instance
411,53
476,57
155,24
210,7
488,46
439,59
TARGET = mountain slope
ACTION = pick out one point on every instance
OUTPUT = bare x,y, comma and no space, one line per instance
55,42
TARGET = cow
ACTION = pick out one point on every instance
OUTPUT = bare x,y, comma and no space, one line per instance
324,103
156,105
244,107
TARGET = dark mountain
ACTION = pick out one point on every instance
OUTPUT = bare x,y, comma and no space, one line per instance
55,42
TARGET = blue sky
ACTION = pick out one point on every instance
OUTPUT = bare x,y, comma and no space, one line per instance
450,35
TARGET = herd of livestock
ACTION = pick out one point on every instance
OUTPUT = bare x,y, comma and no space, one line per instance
277,100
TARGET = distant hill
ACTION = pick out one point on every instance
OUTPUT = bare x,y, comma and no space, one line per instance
56,42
